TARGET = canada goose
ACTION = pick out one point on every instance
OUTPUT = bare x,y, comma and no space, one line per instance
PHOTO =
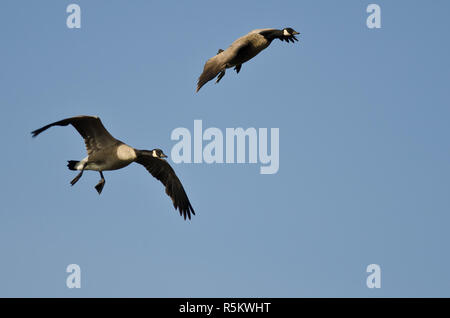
242,50
107,153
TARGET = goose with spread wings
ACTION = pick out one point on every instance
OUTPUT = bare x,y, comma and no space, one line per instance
107,153
242,50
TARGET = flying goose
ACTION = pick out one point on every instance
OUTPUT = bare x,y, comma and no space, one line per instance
107,153
242,50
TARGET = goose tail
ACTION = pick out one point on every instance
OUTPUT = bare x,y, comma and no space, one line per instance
72,164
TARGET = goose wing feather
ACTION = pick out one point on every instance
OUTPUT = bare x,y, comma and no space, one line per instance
161,170
90,128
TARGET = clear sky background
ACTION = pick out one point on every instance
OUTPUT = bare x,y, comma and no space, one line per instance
364,150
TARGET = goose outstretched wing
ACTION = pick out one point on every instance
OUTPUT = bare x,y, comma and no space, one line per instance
161,170
90,128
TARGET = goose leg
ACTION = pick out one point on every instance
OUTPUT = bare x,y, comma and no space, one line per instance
222,74
100,184
75,180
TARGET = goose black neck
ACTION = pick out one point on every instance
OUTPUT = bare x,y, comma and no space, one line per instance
143,153
273,34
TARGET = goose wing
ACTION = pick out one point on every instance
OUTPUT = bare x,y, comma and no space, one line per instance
161,170
90,128
212,67
223,60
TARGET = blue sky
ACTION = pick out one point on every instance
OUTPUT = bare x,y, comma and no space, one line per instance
364,159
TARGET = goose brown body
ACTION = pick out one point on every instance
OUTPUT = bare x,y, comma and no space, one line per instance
242,50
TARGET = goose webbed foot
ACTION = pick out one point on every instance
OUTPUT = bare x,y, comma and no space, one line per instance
100,184
237,68
75,180
222,74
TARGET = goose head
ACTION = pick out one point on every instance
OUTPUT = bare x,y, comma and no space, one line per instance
158,153
289,32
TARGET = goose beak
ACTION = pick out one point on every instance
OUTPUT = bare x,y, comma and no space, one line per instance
295,33
163,156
